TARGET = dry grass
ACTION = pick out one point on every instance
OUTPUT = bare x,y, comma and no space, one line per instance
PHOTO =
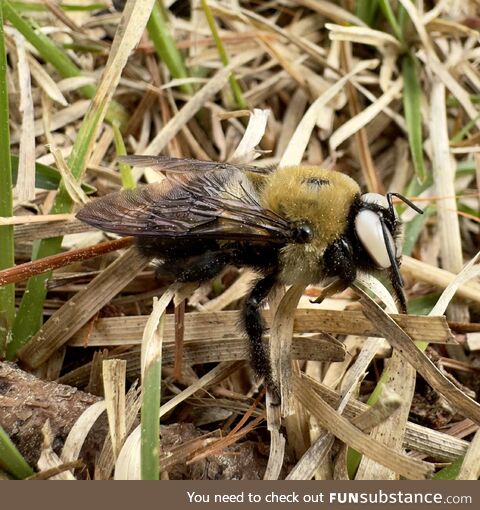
390,101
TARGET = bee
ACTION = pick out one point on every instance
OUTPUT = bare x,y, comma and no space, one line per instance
292,225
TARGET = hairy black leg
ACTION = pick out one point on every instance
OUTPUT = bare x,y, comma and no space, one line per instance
339,264
398,288
339,261
255,327
338,285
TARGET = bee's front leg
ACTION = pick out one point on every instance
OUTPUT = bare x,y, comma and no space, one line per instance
339,262
255,327
338,285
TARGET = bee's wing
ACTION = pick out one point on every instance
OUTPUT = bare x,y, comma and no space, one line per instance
167,164
219,204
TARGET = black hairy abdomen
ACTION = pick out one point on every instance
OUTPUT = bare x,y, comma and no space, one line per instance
168,247
196,260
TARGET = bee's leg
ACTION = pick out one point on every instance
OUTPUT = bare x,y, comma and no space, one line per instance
399,293
338,285
339,263
255,327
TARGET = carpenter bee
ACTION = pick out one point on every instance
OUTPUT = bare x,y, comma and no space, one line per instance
292,225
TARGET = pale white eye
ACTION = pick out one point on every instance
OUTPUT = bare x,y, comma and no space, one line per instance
375,198
370,233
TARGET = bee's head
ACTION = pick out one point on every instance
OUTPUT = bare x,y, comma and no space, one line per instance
378,231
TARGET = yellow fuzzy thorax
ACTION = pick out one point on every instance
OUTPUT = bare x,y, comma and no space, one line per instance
292,193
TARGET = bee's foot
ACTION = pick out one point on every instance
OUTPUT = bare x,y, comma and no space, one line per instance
274,394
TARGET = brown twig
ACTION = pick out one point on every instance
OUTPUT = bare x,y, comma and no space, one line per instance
464,327
25,271
48,473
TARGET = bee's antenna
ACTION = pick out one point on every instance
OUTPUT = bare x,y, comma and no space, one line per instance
403,199
391,255
396,277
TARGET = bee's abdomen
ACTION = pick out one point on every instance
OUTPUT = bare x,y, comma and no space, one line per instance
174,248
200,260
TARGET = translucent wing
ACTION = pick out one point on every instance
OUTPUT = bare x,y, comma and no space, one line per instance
219,202
166,164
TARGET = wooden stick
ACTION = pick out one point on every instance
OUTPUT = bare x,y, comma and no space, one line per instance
25,271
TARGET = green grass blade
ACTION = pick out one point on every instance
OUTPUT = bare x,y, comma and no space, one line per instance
367,10
29,316
52,54
412,94
150,423
11,459
453,101
403,19
48,50
150,442
392,20
234,85
7,250
475,213
38,7
46,177
423,305
77,6
449,472
159,33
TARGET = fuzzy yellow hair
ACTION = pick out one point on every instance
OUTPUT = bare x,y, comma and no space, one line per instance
311,194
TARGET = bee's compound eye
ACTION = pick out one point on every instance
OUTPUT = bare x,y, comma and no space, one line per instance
303,233
369,231
375,198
